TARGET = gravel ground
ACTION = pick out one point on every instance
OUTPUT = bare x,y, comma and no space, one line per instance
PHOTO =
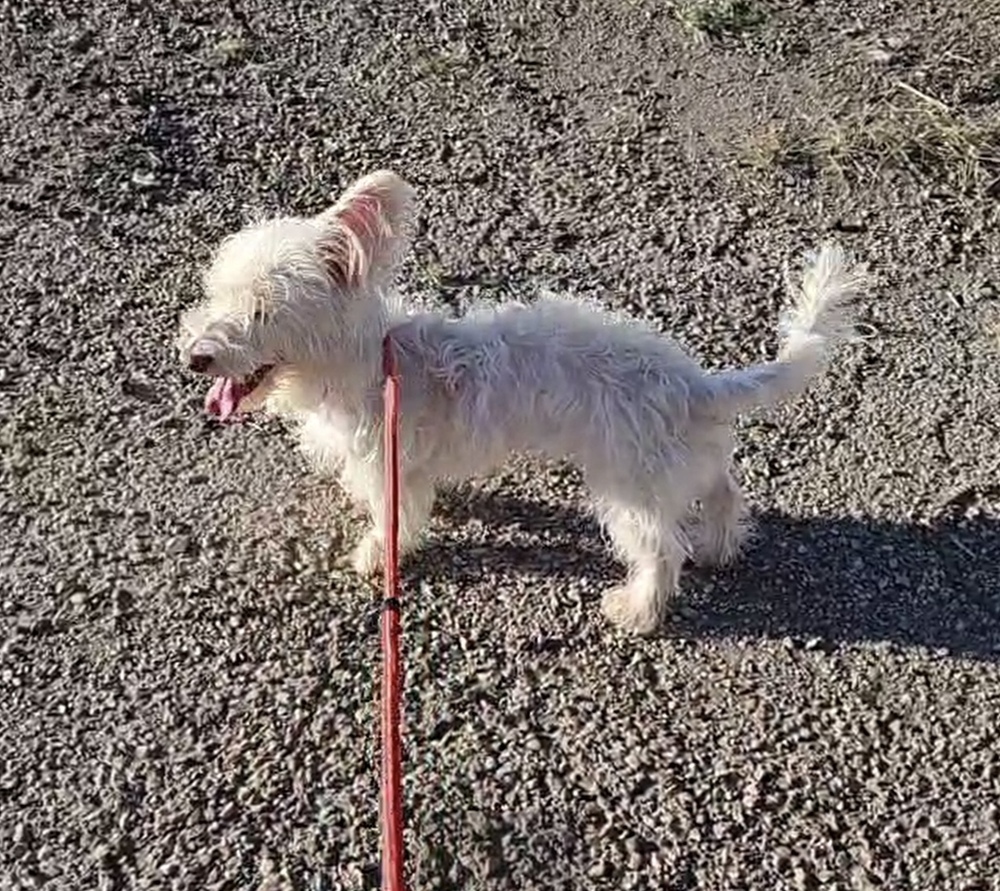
188,676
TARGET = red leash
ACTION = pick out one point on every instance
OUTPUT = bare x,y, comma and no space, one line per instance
392,769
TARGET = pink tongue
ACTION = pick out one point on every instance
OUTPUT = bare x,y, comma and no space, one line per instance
224,397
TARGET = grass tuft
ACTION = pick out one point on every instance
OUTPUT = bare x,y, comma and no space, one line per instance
231,50
918,134
716,19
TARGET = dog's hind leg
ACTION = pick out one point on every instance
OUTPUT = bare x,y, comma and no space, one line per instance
721,526
654,546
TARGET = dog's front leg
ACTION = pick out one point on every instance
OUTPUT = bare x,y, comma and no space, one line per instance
416,499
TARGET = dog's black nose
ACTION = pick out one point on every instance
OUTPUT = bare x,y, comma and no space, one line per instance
199,362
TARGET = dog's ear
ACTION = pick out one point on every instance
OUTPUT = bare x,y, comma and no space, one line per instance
367,230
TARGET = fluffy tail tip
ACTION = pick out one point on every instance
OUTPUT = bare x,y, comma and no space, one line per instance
822,304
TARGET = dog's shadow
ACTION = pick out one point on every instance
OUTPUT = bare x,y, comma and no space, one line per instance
818,581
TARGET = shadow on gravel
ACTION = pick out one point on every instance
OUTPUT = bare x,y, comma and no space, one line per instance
819,581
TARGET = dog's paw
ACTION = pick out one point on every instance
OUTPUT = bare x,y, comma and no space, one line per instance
631,610
367,559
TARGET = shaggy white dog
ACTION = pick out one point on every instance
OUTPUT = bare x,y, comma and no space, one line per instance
294,320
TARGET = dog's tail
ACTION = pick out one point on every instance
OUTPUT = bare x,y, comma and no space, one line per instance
819,318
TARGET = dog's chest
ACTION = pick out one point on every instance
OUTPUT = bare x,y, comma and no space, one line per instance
329,437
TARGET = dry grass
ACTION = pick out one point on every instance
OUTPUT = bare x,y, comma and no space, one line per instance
715,19
777,146
991,328
442,65
231,50
912,132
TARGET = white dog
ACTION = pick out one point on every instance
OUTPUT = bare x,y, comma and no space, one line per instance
294,320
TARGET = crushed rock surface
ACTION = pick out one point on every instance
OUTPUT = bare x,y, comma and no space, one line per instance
188,675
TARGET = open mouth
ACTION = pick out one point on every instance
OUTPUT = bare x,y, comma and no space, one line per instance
226,394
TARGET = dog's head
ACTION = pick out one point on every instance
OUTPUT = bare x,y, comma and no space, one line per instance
287,295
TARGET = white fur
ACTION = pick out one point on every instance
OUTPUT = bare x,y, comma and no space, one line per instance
649,428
